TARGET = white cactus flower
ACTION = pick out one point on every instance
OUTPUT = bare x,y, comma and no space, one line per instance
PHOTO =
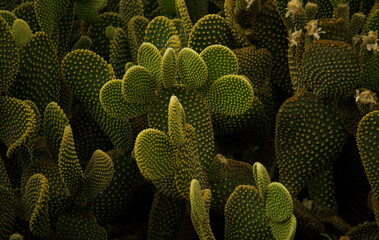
371,41
312,29
293,37
294,7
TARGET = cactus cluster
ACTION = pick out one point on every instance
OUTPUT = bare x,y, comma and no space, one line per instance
189,119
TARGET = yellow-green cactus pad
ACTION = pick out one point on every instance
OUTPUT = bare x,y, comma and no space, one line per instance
209,30
54,124
197,115
110,32
8,56
130,8
184,15
176,122
174,43
368,144
138,86
159,31
169,68
49,12
230,95
21,32
154,154
88,10
245,217
86,81
192,69
97,176
8,211
150,58
35,201
114,103
220,61
278,203
335,73
79,224
69,167
38,77
165,218
136,34
262,178
308,137
284,230
18,125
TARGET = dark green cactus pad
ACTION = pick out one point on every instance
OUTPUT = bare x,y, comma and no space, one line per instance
9,56
58,199
8,16
367,230
308,137
231,8
173,42
119,53
210,30
162,25
136,34
336,73
39,72
79,224
321,189
369,69
245,216
17,118
36,202
8,211
54,123
86,81
166,216
100,42
48,13
197,116
235,173
130,8
88,10
65,29
372,19
184,15
335,30
26,12
368,144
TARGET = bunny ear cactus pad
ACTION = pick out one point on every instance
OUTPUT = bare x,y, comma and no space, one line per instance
245,216
278,203
8,56
164,27
176,122
184,15
220,61
368,144
192,68
86,81
54,124
230,95
336,73
88,10
169,68
174,43
113,101
136,34
138,86
154,154
284,230
49,12
18,125
130,8
8,211
262,178
308,137
26,12
150,58
35,200
21,32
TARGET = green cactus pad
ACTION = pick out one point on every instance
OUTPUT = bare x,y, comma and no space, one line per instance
321,189
136,34
26,12
130,8
176,122
336,73
174,43
114,103
119,53
368,144
36,201
210,30
220,61
4,179
278,203
38,77
21,32
262,179
284,230
192,69
97,176
138,86
164,27
86,81
169,68
17,118
8,56
88,10
8,16
79,224
150,58
369,69
308,137
230,95
49,12
154,154
184,15
245,217
8,211
68,163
